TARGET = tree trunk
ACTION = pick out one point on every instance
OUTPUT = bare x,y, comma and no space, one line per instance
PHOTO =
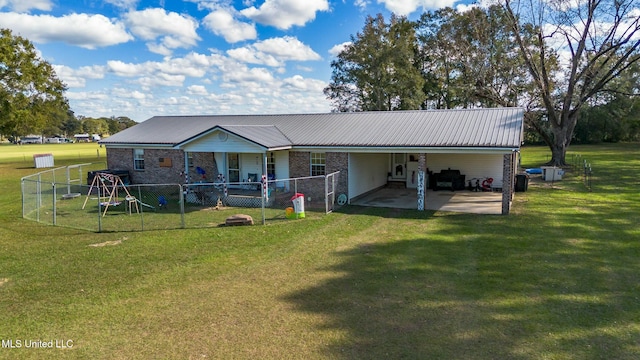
558,153
562,135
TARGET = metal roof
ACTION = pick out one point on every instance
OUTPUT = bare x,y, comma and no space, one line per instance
489,128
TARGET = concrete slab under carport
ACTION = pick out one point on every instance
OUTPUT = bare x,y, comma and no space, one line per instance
455,201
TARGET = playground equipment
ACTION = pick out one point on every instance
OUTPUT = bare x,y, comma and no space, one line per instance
107,186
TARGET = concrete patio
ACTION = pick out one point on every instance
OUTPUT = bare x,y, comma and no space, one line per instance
455,201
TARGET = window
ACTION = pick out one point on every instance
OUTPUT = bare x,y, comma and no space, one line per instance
318,164
190,160
271,166
138,159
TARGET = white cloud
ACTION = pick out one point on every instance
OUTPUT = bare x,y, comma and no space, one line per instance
197,90
252,56
123,4
284,14
287,48
84,95
26,5
77,78
406,7
362,4
87,31
274,52
299,83
223,23
337,49
126,70
172,29
192,65
244,75
466,7
129,94
149,82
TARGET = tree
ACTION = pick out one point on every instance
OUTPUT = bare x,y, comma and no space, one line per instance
601,41
378,70
119,123
31,95
95,126
469,59
70,126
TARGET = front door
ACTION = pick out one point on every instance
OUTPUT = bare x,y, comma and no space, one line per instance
398,166
233,162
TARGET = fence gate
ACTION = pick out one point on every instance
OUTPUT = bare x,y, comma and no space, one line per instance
330,185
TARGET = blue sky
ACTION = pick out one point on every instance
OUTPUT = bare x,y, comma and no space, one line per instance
141,58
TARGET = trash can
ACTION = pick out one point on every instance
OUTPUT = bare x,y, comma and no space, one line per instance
522,182
298,205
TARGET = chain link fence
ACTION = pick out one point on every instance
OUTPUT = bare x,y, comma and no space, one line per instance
64,197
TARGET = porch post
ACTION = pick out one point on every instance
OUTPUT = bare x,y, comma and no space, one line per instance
186,167
422,165
507,182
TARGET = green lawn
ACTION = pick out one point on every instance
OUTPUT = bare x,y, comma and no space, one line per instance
557,279
23,154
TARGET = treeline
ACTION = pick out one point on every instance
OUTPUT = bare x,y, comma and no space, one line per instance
102,126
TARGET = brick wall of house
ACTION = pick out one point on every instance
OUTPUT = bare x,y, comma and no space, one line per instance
339,162
300,166
153,173
120,159
207,162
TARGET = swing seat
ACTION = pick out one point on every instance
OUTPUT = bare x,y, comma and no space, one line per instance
113,203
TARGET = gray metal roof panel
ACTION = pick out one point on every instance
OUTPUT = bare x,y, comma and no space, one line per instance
496,127
266,135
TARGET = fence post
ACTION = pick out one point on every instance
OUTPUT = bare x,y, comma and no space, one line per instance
22,193
68,180
326,194
99,213
38,197
53,185
181,192
141,213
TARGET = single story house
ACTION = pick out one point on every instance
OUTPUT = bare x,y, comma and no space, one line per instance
370,149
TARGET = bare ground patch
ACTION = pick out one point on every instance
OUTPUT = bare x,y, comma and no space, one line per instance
108,243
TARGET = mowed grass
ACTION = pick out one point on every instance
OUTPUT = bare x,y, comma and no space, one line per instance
557,279
23,154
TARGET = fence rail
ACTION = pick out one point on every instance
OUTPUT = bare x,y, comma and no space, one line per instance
65,197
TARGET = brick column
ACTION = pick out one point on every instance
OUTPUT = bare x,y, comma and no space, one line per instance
422,165
507,182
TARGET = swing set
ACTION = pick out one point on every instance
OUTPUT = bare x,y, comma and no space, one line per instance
107,187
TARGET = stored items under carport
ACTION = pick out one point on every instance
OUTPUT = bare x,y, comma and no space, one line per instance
448,179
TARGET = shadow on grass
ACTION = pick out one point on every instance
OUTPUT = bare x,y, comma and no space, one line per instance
566,288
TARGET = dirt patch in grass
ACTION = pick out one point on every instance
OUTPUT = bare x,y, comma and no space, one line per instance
3,281
108,243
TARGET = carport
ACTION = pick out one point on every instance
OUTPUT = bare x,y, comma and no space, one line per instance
454,201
